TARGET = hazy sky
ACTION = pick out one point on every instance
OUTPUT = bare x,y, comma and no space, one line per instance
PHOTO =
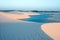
30,4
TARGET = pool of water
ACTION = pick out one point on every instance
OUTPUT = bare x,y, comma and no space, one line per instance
22,31
44,17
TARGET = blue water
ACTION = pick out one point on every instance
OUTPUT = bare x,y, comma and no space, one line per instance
43,18
22,31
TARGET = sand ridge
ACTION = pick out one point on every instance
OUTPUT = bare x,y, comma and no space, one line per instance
52,29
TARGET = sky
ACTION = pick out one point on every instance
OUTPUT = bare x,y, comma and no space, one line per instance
30,4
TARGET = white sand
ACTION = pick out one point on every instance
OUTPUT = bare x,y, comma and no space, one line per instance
52,29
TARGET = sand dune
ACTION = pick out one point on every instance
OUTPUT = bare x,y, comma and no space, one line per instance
18,16
52,29
14,16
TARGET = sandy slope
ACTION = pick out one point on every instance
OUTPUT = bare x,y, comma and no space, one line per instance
14,16
52,29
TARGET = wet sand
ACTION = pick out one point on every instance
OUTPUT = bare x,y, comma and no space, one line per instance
52,29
